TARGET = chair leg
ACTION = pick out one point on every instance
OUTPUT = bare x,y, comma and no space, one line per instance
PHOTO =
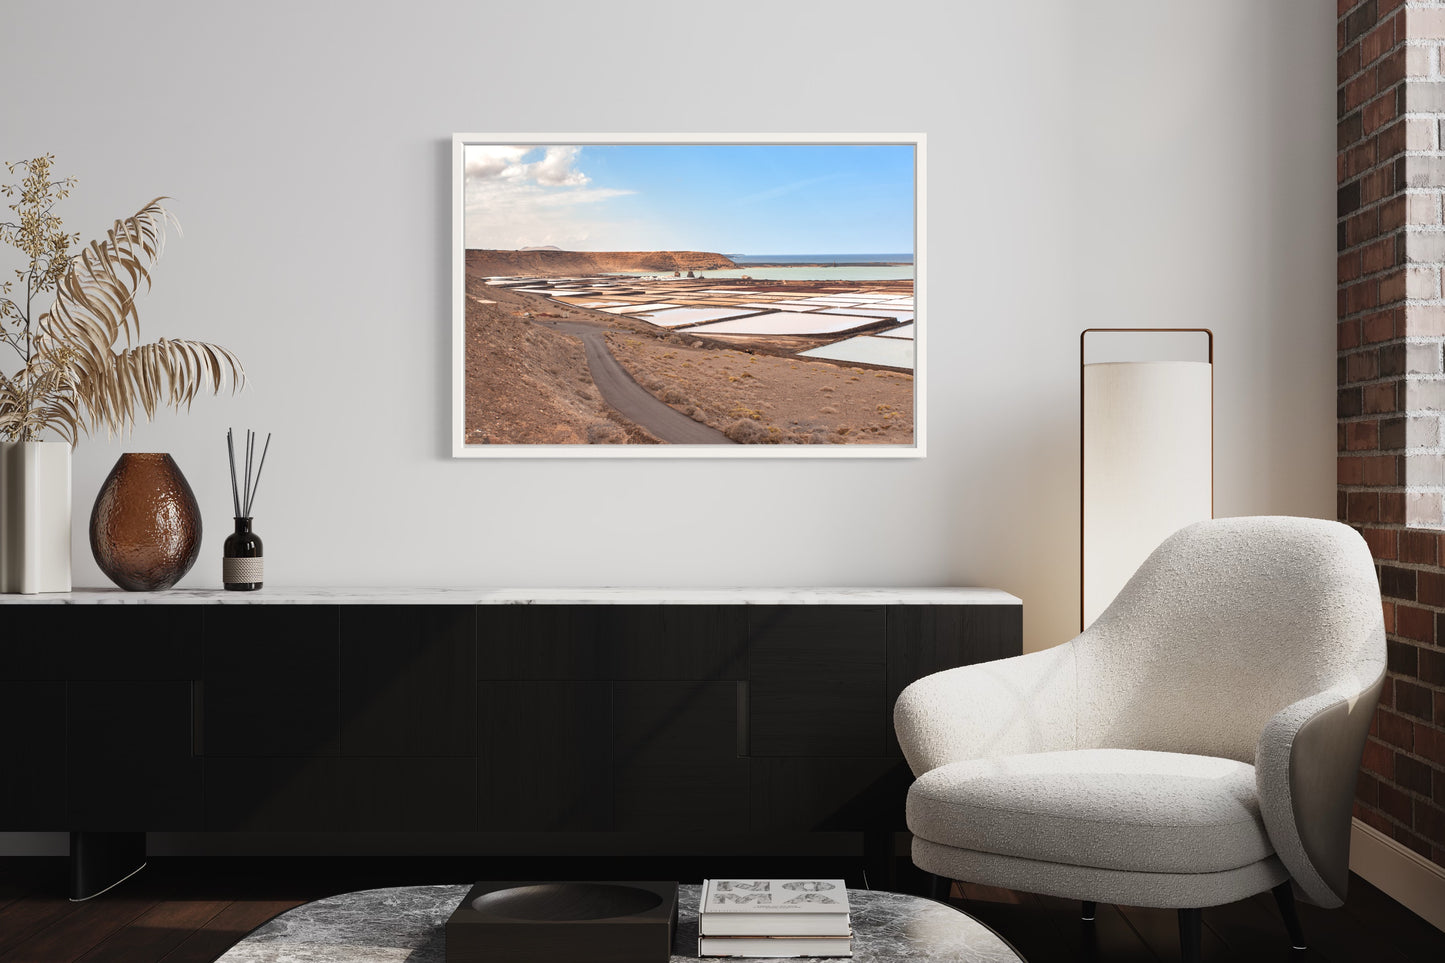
1191,932
938,887
1090,910
1284,898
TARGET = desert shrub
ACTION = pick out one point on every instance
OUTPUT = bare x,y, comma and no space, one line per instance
747,432
674,397
605,433
828,410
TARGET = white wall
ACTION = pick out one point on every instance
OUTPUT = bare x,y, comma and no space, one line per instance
1096,164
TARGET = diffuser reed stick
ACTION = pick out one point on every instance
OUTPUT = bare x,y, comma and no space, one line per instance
231,450
243,492
254,485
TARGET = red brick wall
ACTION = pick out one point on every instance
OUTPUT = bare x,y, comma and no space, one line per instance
1391,312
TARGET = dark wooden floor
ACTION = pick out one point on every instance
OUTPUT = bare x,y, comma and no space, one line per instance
1370,927
178,914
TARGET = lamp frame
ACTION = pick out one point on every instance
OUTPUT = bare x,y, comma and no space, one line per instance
1083,335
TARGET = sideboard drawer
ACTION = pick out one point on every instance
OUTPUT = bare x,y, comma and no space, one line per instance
817,680
607,642
272,680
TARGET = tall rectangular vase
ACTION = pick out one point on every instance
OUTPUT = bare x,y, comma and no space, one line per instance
34,517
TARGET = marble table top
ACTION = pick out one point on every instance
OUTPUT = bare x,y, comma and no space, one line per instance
526,596
408,923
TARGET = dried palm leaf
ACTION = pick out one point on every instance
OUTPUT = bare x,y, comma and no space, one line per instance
77,380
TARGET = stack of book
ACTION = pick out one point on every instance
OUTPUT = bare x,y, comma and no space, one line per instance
774,918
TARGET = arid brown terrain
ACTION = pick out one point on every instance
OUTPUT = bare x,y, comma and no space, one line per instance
529,385
761,398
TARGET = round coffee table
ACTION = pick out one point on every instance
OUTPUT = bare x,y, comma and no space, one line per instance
408,923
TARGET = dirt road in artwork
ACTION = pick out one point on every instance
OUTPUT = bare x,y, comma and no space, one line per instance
629,398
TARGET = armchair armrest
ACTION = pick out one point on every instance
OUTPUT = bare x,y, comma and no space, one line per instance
1305,772
1023,704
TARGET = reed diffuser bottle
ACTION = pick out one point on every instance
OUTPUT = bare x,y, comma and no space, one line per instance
243,568
242,564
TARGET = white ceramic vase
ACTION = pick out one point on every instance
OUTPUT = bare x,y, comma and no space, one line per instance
34,517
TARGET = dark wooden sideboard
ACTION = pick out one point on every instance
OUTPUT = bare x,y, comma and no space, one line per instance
734,712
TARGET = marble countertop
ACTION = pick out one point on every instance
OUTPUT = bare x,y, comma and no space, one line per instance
527,596
408,924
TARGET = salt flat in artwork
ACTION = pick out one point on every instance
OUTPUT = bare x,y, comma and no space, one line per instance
676,317
638,308
786,322
814,303
866,349
874,311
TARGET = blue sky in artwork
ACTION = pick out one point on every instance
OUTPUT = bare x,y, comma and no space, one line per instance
729,198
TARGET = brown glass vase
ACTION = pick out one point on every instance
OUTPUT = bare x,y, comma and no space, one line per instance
145,529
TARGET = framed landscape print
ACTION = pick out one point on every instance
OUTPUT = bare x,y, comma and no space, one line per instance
700,295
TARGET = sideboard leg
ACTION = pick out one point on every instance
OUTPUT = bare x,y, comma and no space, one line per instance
98,861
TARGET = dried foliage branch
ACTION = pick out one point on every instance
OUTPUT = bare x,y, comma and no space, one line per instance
76,377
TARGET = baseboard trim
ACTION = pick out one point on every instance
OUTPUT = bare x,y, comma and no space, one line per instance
1401,873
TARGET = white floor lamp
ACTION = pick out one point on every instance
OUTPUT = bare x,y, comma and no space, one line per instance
1147,435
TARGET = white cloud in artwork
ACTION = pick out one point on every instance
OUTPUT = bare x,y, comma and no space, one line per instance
516,198
485,162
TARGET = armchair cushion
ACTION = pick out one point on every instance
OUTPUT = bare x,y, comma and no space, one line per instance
1117,809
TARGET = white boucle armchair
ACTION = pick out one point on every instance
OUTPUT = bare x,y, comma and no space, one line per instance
1196,745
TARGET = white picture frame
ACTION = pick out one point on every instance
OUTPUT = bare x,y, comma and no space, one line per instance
488,144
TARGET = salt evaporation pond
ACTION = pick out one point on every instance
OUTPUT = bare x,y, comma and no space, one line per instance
867,349
632,309
677,317
904,332
885,272
874,311
786,322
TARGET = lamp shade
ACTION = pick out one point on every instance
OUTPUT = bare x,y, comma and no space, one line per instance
1148,454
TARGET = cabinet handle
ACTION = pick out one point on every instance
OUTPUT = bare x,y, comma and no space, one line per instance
198,693
743,733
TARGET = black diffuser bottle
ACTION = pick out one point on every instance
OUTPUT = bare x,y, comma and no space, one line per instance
242,567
